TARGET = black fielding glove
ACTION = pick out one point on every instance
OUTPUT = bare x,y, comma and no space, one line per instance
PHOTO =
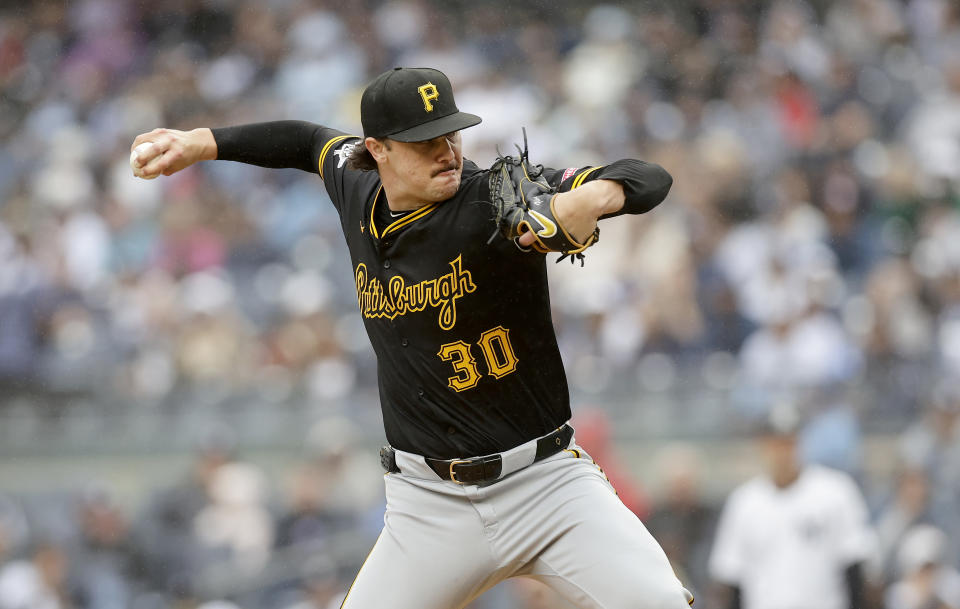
523,202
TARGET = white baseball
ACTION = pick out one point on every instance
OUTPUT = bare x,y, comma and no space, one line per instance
135,163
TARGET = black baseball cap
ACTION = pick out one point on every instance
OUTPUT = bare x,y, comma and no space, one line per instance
411,105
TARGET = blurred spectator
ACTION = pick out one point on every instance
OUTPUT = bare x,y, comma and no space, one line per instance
933,446
108,569
794,536
235,526
800,347
901,327
593,434
321,588
21,286
927,580
37,582
909,507
682,520
934,127
344,470
212,345
308,520
13,528
727,328
166,529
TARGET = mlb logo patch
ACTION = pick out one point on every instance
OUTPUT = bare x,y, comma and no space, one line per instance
568,173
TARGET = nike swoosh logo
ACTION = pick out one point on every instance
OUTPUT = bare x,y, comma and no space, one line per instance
549,228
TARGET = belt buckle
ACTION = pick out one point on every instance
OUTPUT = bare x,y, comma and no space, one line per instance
453,475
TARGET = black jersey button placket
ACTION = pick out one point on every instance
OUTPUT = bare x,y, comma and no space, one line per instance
404,342
386,263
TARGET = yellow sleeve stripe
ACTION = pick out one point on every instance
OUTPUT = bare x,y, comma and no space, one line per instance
583,176
327,147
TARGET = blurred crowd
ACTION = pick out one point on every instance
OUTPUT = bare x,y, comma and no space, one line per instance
810,244
224,530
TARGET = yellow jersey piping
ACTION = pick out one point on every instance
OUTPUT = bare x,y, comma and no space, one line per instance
373,208
399,223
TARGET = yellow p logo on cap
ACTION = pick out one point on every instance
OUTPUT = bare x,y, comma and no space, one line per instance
428,92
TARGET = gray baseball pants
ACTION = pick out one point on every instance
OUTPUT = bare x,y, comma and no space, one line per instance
558,521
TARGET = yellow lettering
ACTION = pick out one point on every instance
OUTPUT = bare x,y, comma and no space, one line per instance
499,364
397,298
497,353
429,93
464,365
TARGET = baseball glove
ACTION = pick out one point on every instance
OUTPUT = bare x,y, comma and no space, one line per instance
523,201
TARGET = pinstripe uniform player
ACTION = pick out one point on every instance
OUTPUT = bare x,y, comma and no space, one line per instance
485,480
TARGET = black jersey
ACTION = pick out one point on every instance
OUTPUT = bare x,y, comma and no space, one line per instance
467,357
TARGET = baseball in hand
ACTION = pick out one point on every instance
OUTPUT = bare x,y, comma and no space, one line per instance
141,151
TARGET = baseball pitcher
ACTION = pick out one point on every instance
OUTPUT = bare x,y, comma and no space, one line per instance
484,478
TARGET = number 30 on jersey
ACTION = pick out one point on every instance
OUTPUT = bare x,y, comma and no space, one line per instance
497,353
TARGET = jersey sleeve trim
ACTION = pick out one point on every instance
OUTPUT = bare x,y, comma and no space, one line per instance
578,181
329,146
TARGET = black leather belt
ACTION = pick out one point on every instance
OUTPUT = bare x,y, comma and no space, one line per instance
487,469
480,470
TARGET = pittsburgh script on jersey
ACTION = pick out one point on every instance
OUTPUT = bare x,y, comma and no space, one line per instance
400,298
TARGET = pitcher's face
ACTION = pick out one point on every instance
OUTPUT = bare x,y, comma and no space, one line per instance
429,170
